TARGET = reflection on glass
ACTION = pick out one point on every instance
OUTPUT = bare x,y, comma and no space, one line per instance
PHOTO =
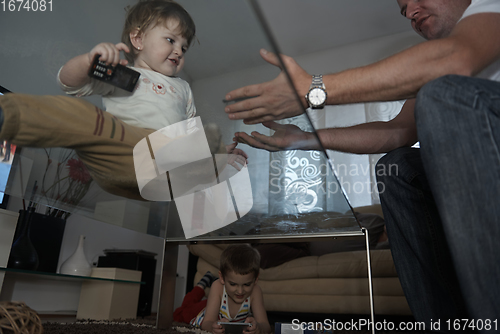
291,192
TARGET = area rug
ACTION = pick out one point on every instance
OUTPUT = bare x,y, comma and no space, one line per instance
147,326
139,326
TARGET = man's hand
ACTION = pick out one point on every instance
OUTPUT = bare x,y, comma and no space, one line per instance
285,137
236,156
271,100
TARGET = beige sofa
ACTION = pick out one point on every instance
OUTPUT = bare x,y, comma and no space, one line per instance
334,283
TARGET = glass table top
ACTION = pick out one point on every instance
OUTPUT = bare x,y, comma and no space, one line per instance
200,196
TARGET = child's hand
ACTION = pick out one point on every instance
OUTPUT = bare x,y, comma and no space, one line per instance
236,156
218,329
110,53
251,329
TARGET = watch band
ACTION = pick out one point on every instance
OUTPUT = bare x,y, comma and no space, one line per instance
317,81
316,84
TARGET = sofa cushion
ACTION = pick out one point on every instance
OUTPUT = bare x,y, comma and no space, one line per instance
332,305
208,252
387,286
353,264
382,286
334,265
274,254
303,267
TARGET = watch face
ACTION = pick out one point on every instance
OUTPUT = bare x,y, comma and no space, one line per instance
317,96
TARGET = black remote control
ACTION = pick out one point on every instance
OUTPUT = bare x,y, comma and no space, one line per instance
119,75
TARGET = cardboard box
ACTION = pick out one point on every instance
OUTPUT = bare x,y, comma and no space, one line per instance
108,300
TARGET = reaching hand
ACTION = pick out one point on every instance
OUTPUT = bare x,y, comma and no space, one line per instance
272,100
285,137
110,53
236,156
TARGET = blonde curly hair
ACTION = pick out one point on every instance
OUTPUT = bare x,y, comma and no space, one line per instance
147,14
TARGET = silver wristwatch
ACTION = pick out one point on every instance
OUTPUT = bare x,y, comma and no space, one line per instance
316,97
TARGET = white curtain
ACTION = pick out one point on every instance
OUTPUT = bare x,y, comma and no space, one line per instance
302,181
296,178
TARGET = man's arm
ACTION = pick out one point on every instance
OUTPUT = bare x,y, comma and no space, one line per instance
374,137
367,138
471,47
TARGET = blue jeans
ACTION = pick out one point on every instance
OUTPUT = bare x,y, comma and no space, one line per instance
441,202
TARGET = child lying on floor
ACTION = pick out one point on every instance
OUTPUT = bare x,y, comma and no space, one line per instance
234,296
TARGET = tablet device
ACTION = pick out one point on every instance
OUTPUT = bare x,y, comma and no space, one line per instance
234,327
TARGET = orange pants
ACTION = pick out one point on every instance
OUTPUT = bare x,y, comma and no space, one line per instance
103,142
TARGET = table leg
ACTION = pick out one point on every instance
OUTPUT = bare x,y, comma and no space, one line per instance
164,317
370,282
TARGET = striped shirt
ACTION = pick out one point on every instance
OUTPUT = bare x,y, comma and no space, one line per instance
243,313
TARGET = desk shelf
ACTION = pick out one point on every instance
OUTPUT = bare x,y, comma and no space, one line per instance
63,277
